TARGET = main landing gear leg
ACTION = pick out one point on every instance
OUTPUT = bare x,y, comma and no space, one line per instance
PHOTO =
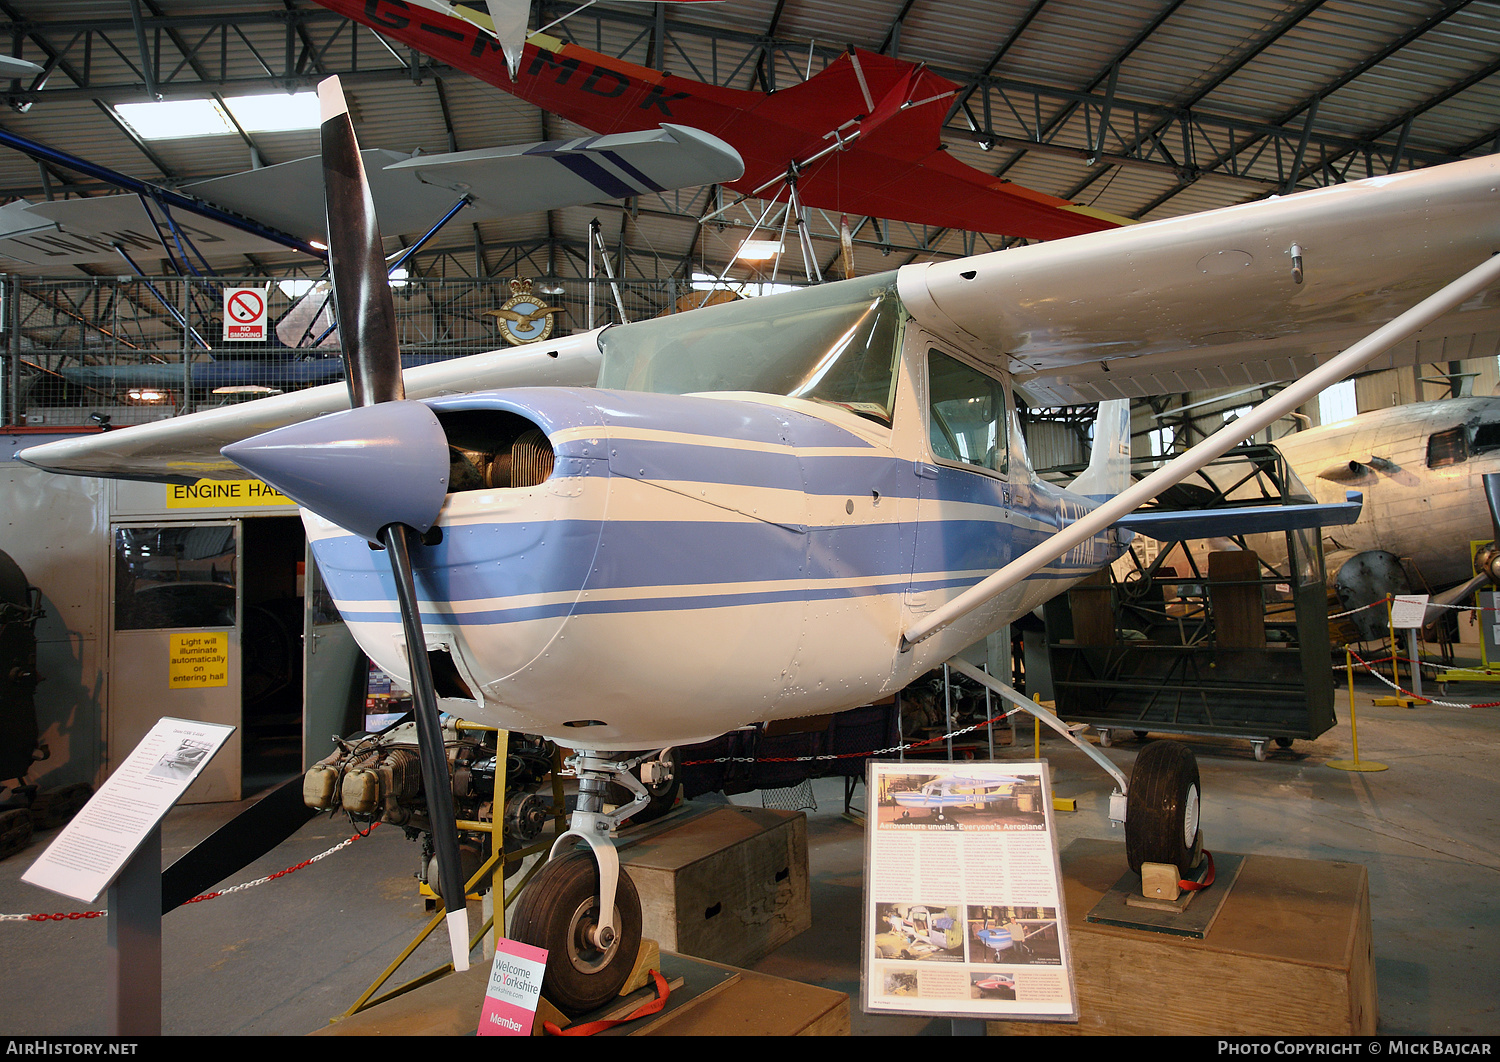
586,911
1160,812
1117,798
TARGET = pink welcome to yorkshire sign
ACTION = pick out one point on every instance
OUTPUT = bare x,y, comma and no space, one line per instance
514,988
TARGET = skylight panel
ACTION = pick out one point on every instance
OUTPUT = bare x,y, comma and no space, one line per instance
276,112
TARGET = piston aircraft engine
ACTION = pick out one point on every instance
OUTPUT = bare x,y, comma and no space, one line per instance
792,504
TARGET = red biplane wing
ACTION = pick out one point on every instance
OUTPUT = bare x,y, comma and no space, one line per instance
886,113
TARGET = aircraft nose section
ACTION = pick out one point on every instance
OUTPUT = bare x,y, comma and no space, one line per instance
362,469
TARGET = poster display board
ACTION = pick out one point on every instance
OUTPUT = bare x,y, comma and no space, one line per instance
964,912
94,847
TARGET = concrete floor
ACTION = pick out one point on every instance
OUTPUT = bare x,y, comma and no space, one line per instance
286,957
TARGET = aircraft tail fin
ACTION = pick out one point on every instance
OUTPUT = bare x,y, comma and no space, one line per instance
1109,466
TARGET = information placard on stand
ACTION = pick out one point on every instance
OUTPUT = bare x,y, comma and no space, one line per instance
964,914
94,847
114,843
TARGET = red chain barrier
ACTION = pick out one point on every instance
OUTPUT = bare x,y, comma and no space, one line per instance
196,899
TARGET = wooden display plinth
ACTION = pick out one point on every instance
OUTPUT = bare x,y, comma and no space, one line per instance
725,883
1290,954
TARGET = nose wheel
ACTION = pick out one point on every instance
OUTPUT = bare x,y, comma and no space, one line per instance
559,911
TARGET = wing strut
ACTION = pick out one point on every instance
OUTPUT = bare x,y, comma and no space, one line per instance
1216,445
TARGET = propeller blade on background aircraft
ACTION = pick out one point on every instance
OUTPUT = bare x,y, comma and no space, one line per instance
1487,560
1492,495
367,322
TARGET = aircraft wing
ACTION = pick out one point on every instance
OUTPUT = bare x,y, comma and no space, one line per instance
186,449
1241,520
1213,300
527,178
412,193
75,231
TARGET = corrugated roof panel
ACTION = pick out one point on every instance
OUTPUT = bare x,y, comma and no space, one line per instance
1072,45
839,23
1191,49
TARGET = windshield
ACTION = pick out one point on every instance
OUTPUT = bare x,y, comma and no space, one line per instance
834,343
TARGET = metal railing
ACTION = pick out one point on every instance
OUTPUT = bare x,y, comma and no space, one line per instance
125,350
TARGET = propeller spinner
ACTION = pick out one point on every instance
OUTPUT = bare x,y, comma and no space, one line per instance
322,463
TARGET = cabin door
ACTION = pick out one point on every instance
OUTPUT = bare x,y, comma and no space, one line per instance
964,494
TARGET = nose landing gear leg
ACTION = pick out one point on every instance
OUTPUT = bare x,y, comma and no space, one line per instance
582,907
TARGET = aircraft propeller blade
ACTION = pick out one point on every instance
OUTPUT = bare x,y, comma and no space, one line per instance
372,356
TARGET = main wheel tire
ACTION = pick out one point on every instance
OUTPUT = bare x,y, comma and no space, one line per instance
1161,812
556,912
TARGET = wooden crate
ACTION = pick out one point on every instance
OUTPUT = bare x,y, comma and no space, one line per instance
1289,955
728,884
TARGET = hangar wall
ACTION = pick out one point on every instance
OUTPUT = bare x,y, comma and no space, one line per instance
57,529
97,677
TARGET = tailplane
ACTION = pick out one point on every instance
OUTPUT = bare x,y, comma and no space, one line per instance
1109,466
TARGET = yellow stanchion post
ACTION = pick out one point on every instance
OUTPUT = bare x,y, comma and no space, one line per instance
1397,699
1058,803
1355,764
1390,622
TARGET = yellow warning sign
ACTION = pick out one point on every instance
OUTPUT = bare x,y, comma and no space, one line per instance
224,494
198,660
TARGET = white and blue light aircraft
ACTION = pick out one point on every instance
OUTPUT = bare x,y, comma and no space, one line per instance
957,791
793,504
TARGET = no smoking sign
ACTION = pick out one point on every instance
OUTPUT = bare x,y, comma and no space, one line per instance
245,313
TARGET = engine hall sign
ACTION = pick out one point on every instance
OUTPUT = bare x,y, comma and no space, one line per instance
224,494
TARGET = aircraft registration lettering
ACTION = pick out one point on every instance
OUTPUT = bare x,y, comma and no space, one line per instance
198,661
566,66
601,81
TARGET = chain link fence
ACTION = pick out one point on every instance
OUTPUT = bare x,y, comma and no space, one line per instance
125,350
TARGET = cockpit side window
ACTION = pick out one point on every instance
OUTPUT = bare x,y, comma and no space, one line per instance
1447,448
966,414
1486,437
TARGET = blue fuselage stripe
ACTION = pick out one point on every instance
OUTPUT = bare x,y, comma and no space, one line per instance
563,557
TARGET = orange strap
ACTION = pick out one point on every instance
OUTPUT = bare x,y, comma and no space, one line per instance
1208,879
645,1009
